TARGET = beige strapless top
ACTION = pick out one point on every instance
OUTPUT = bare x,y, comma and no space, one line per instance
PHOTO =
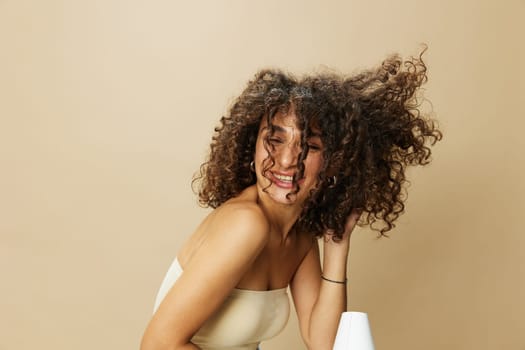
246,317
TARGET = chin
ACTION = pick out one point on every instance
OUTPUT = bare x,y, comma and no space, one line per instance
281,193
283,200
283,196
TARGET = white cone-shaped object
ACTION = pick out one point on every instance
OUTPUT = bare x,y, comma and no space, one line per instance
354,332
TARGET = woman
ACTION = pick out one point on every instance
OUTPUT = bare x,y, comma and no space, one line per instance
294,160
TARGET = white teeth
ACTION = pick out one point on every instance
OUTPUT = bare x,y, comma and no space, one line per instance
284,177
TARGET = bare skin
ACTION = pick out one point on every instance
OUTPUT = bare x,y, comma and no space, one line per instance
247,243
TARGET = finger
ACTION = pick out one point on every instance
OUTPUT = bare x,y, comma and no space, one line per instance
353,219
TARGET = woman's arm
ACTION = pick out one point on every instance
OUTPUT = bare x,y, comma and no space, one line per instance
319,303
236,236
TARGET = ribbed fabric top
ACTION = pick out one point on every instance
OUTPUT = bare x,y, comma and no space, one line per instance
246,317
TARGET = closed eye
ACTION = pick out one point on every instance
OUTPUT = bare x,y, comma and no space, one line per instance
314,147
274,140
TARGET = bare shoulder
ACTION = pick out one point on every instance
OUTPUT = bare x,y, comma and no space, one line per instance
241,220
237,229
233,237
230,240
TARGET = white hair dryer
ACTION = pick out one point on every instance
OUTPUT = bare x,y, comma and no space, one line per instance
354,332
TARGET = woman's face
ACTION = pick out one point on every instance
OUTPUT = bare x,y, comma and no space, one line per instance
285,147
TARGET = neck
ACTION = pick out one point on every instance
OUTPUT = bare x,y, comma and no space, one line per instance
282,217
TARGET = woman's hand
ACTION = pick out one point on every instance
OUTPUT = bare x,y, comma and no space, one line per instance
318,302
351,221
350,224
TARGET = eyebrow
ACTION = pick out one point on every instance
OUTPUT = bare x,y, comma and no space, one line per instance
278,128
281,129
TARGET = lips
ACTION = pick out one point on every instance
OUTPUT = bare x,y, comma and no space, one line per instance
283,180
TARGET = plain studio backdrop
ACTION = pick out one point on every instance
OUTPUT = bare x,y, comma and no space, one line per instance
106,111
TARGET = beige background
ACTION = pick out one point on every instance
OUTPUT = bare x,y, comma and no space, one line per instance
106,111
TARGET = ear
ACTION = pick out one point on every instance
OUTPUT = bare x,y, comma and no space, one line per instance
334,166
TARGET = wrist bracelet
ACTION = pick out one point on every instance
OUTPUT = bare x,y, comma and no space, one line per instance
333,281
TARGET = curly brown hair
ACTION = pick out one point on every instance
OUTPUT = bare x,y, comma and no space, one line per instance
371,129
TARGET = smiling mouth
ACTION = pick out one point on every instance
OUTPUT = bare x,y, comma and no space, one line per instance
284,181
283,178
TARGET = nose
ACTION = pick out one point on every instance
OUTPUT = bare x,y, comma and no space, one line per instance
287,155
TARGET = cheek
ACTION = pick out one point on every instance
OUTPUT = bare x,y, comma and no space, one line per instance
261,156
260,152
314,164
311,171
